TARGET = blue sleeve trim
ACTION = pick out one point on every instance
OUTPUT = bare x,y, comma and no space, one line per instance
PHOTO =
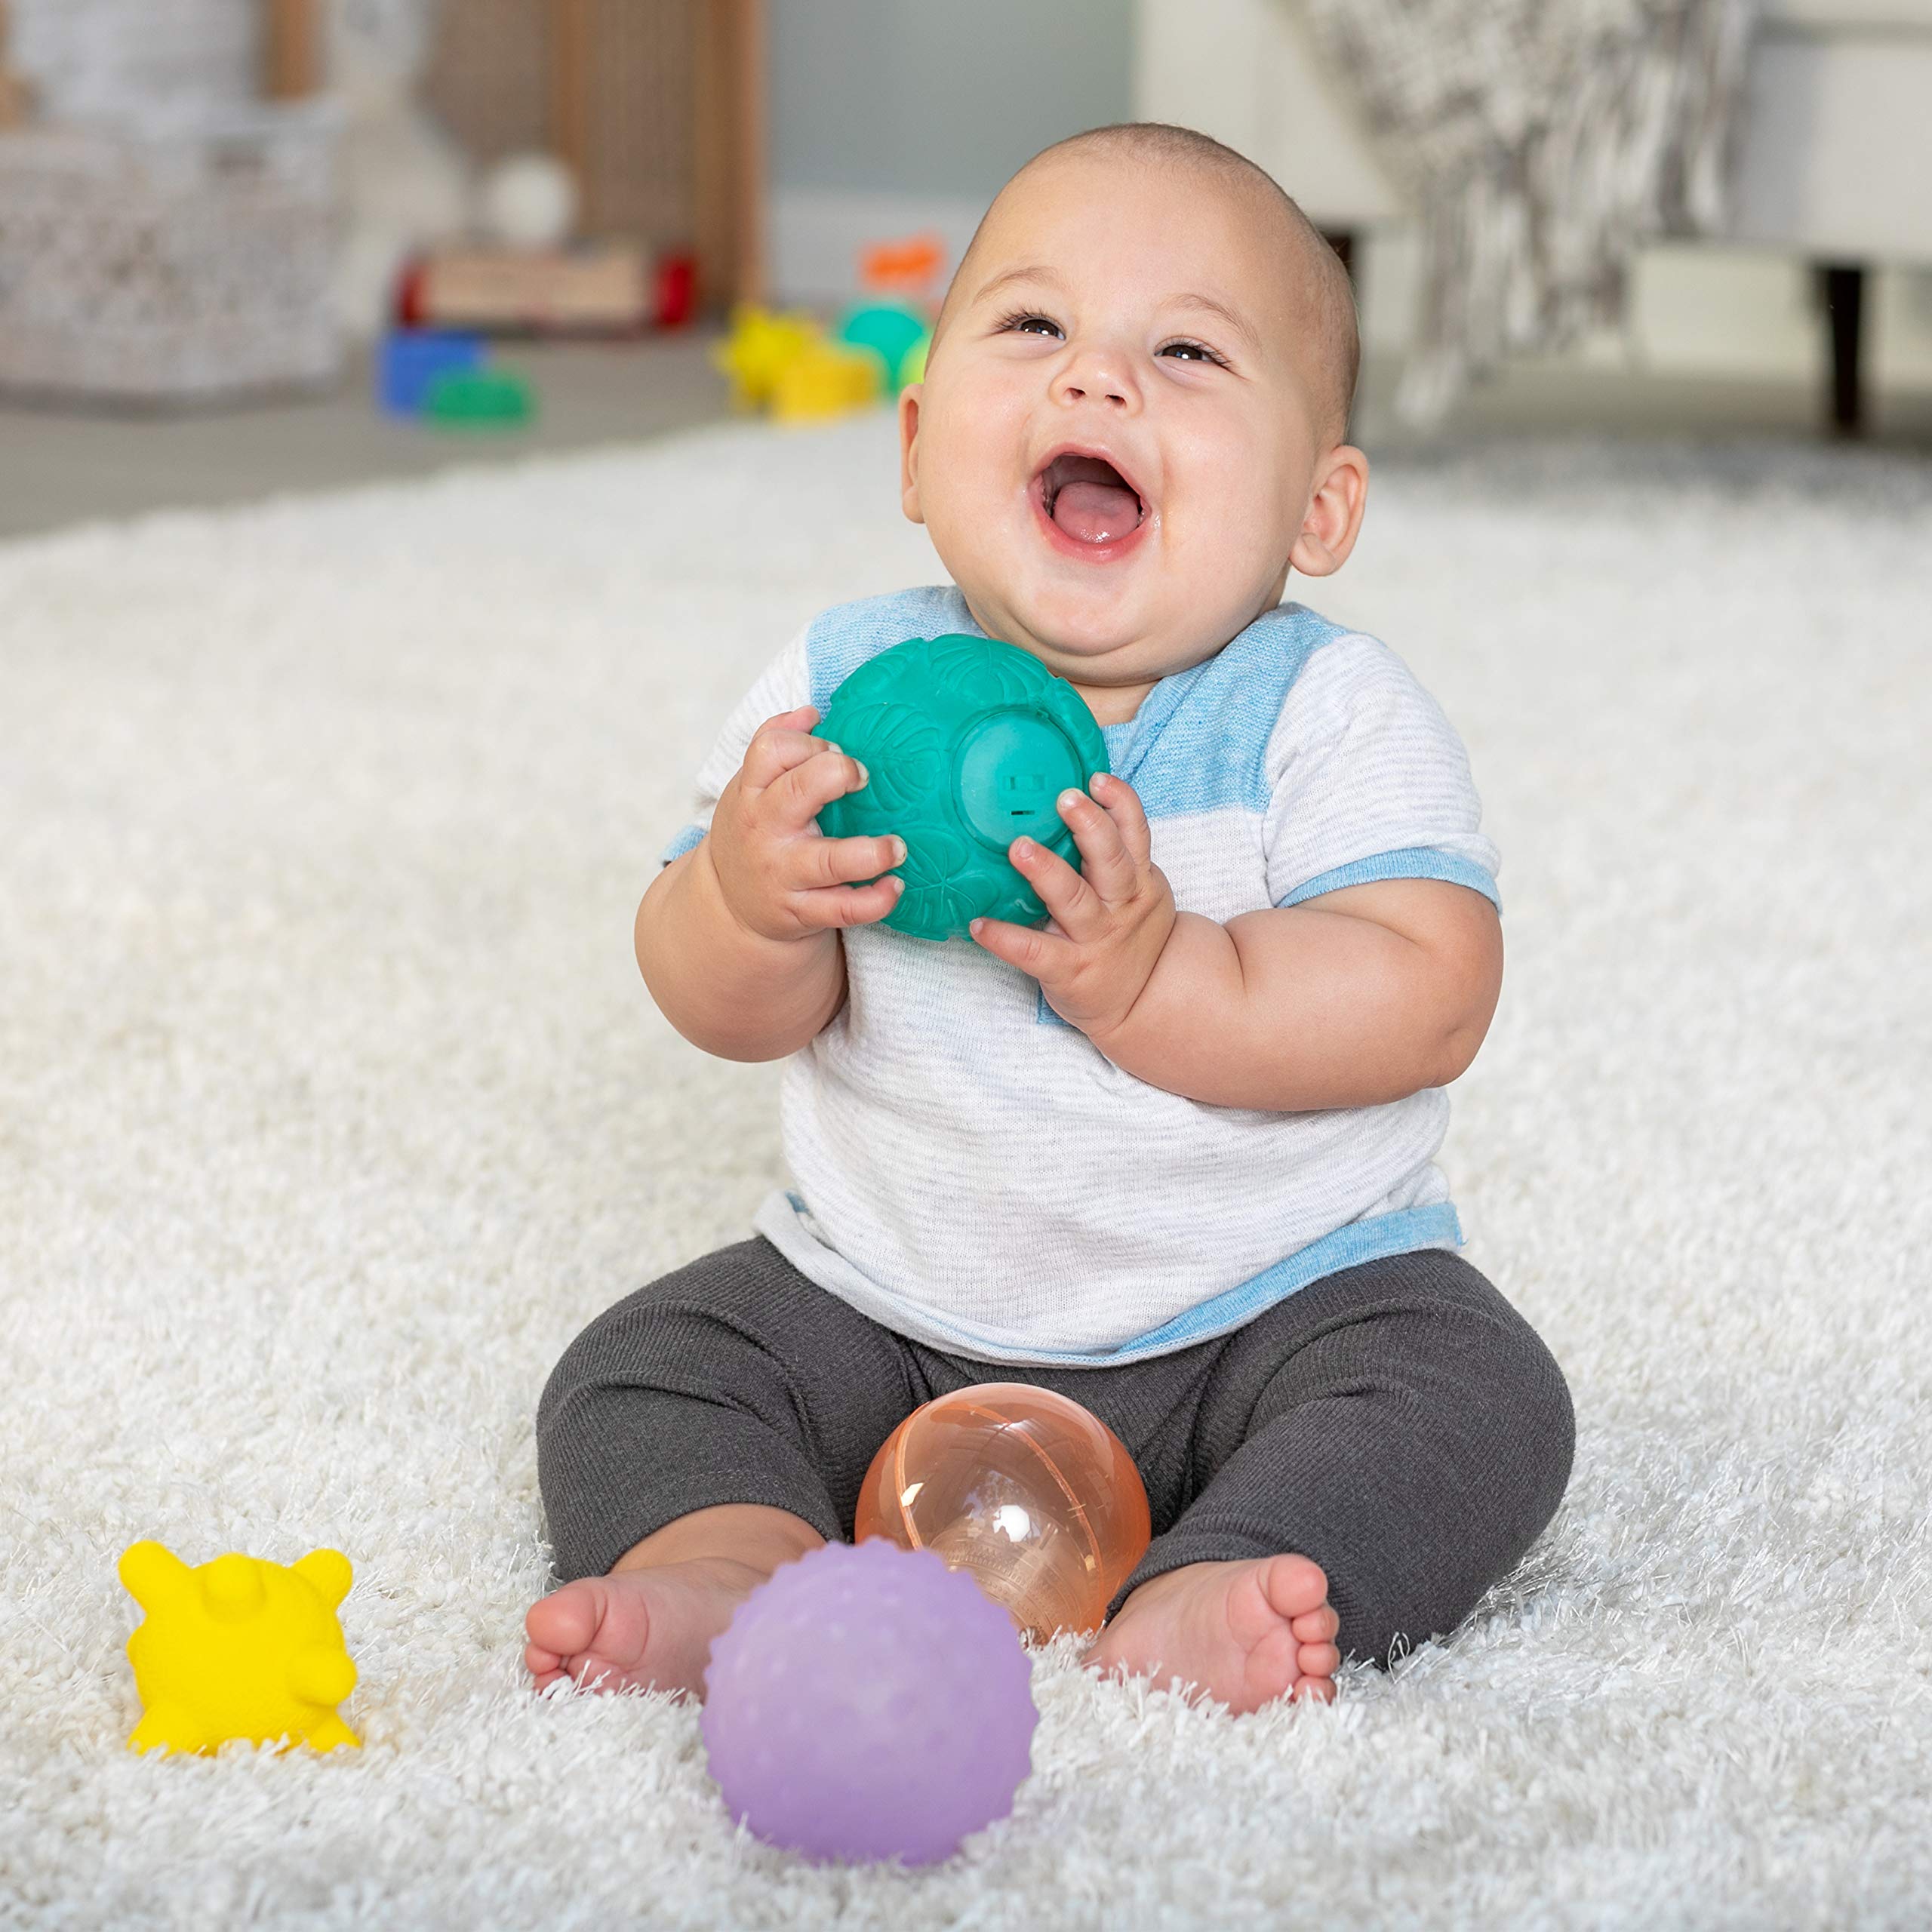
686,841
1413,862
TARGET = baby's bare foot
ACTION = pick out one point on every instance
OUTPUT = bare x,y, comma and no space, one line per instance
651,1628
1244,1633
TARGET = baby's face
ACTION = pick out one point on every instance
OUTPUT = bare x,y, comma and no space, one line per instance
1118,441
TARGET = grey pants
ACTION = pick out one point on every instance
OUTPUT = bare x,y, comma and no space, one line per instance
1399,1423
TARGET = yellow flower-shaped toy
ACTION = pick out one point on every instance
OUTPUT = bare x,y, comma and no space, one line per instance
239,1648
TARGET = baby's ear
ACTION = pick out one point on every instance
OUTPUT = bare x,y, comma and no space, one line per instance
908,449
1333,516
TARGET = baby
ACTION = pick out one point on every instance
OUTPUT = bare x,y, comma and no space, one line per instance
1171,1154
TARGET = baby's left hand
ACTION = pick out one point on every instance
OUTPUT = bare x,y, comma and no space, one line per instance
1110,921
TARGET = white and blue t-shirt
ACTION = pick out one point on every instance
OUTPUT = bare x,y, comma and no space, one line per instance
971,1171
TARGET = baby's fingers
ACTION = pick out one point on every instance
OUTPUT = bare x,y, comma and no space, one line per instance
848,905
798,797
813,863
780,743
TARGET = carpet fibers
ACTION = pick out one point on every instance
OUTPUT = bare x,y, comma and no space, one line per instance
331,1107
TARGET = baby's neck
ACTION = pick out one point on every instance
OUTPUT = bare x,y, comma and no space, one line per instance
1114,704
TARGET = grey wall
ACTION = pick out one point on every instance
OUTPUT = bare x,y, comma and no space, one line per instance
938,97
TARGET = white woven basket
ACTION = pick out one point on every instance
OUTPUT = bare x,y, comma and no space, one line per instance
171,264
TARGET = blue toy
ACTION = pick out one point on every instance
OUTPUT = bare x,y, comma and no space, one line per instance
408,360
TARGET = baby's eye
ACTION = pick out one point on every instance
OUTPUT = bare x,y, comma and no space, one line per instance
1190,352
1031,324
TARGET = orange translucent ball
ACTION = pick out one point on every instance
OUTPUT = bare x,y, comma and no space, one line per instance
1038,1500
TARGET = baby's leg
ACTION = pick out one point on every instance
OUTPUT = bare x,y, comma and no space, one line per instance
706,1429
1395,1436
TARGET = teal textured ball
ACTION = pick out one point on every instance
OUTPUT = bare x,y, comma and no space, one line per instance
968,743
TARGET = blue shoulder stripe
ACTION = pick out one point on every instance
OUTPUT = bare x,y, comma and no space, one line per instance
1200,740
841,639
1197,743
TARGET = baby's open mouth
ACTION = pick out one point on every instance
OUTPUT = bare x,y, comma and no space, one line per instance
1088,498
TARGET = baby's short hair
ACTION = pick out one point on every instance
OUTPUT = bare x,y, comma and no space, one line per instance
1330,310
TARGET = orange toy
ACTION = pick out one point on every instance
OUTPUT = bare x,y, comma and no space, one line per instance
1038,1500
911,265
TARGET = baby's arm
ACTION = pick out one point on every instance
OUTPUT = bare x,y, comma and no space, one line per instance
1364,995
730,991
1374,970
738,939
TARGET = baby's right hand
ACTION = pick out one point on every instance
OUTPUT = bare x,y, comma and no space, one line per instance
781,876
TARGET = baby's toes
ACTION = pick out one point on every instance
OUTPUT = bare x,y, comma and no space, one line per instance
1295,1587
1319,1660
544,1666
1272,1666
1316,1626
563,1623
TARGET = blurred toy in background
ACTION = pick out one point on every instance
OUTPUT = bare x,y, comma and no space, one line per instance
603,288
911,266
524,271
760,345
893,332
407,361
238,1648
895,322
528,201
441,375
526,267
479,399
787,362
827,379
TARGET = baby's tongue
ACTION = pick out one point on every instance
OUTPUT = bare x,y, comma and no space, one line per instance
1095,513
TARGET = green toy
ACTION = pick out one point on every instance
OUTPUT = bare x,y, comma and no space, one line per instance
969,744
894,333
479,399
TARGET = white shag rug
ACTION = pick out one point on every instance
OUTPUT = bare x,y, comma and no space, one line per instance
331,1105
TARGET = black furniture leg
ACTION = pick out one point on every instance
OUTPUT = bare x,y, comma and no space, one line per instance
1842,292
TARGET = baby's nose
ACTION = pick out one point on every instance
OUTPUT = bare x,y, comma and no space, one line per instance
1099,378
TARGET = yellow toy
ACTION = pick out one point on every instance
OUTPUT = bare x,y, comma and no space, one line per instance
785,363
757,348
826,379
239,1648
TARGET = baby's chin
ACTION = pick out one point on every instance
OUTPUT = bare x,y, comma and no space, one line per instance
1077,629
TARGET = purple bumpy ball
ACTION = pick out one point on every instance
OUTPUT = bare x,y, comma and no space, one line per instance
868,1703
